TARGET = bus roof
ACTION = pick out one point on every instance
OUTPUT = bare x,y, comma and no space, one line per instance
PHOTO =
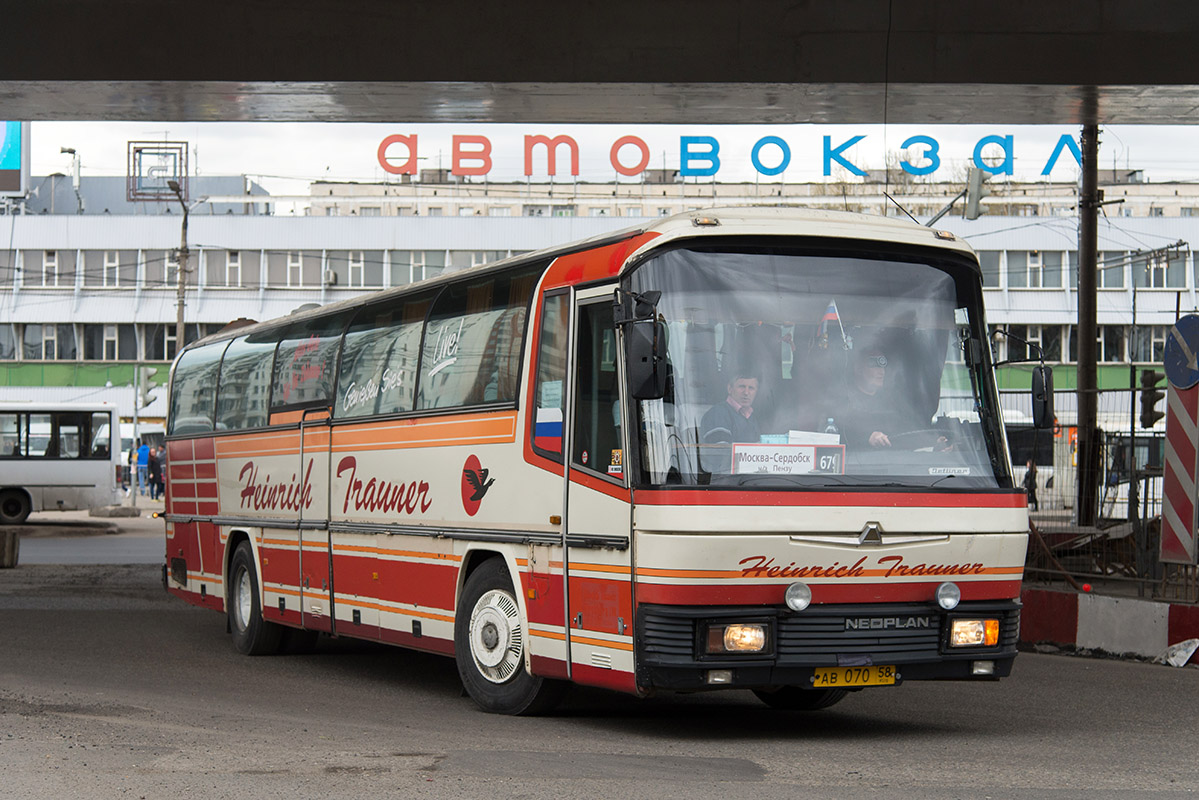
30,405
780,221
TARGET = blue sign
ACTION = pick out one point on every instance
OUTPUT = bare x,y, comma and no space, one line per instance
14,157
1180,358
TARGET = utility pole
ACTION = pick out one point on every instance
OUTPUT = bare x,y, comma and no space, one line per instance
1086,505
181,284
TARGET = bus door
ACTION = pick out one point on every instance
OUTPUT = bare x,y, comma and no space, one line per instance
316,576
598,517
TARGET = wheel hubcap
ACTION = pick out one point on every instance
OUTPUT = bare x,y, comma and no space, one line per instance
243,602
496,637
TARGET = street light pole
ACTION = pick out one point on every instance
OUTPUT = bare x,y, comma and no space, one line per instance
181,284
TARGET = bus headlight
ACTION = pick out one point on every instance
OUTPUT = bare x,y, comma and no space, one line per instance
948,596
739,637
798,596
974,633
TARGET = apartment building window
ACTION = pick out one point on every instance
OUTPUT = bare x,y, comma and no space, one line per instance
1047,337
370,211
1109,344
49,342
109,342
632,211
1149,345
989,261
357,268
233,268
331,211
1156,211
50,268
663,212
8,342
1188,211
499,211
1160,270
435,211
466,211
295,269
171,260
1034,270
112,268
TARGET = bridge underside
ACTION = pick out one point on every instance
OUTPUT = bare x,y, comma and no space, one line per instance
626,61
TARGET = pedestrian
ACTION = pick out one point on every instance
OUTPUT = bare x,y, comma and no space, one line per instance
162,471
1030,485
154,473
143,465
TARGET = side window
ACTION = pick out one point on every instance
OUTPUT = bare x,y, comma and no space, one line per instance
473,340
597,443
549,391
11,444
378,360
304,365
193,389
100,434
245,382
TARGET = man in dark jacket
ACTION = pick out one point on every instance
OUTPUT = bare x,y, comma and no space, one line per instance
731,421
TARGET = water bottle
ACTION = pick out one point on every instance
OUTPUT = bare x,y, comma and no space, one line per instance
831,427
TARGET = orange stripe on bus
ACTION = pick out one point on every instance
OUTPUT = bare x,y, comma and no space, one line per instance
404,553
618,570
291,592
393,610
556,635
601,642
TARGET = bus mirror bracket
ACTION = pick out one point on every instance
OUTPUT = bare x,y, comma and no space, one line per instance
1042,397
637,315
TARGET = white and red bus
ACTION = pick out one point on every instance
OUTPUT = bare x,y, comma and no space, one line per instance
523,466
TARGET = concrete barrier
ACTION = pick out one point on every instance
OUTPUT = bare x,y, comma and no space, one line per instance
10,547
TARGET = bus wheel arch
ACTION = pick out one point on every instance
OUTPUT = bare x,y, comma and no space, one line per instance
491,644
15,505
252,634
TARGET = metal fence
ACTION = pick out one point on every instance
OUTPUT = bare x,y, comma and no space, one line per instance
1119,553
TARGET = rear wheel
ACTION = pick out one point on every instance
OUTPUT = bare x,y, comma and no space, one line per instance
489,647
793,698
252,635
14,507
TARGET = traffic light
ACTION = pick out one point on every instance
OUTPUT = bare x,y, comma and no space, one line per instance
976,190
146,388
1150,395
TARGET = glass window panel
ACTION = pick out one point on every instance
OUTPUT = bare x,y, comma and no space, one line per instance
1051,268
8,343
305,363
989,260
245,381
378,360
194,388
11,439
1017,269
549,393
473,341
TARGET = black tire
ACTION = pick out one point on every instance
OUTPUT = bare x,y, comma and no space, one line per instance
793,698
14,507
489,647
252,635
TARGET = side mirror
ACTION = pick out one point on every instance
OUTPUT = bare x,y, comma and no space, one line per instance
1042,397
646,366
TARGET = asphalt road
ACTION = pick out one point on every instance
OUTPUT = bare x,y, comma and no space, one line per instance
111,688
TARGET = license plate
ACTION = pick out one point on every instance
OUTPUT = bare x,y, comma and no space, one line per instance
829,677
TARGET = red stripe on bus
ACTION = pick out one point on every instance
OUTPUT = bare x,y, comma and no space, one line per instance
746,594
605,678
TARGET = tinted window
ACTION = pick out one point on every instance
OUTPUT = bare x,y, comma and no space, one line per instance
378,361
245,382
193,389
304,365
473,341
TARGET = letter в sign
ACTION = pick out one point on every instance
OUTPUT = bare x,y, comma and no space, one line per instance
481,155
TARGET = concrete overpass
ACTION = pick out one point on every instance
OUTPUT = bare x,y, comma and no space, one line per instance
736,61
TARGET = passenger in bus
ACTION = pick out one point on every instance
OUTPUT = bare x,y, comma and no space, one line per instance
1030,485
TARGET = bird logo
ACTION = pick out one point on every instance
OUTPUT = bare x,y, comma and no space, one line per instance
475,483
479,480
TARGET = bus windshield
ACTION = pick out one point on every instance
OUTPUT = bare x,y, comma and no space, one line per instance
819,369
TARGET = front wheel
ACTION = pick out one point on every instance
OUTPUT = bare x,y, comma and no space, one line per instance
14,507
489,647
793,698
252,635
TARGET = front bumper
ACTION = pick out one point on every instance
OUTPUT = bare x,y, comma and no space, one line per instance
911,637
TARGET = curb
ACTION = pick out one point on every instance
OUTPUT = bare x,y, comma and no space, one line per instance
1122,625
